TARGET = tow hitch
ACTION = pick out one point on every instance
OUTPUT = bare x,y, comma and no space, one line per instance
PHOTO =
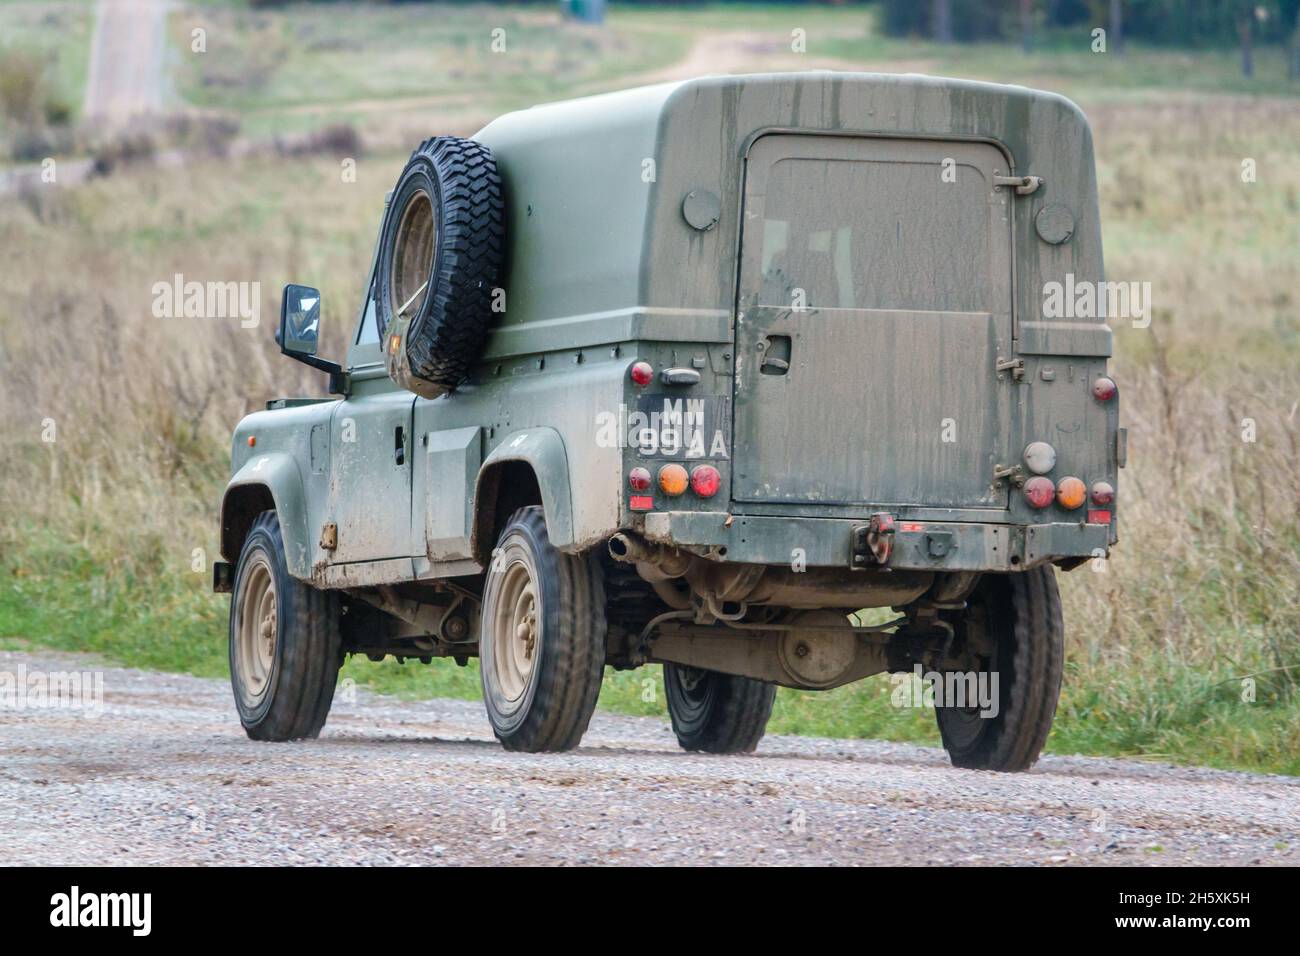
873,543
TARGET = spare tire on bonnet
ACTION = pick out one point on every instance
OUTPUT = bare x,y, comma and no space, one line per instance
440,252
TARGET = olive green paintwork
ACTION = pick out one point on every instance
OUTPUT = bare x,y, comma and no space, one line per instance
603,269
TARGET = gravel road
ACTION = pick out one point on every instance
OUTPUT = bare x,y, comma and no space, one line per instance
164,774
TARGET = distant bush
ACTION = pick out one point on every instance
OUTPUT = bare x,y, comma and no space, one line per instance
32,144
27,98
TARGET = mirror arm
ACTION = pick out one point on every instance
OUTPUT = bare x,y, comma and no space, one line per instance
339,379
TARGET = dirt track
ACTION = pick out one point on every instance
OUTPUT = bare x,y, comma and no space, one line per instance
126,60
165,775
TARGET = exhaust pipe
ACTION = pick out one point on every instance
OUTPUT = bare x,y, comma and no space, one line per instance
629,550
654,562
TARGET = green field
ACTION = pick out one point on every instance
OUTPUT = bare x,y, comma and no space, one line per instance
99,528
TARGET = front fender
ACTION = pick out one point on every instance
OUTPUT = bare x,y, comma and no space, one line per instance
542,449
278,473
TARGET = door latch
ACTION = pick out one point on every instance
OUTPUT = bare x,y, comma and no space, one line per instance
1009,473
1023,185
1015,366
775,351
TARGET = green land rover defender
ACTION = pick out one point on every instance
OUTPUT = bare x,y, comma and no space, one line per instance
750,376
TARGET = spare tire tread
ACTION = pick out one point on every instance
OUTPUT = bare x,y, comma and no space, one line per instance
446,338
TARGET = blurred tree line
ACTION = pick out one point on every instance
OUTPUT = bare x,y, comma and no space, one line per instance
1182,23
1186,23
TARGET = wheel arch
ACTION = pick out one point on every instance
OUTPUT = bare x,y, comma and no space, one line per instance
529,467
267,482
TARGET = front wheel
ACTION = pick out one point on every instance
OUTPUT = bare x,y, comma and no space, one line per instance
541,640
285,648
1013,629
717,713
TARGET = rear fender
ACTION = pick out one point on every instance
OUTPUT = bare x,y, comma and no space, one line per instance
542,449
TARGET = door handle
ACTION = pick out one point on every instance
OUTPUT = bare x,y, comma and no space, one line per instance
776,351
399,445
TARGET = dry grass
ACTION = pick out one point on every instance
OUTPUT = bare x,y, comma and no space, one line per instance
1208,568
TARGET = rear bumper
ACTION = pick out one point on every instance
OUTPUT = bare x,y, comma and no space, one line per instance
828,542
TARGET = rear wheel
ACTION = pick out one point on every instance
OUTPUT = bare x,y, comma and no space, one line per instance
717,713
542,639
285,649
1013,628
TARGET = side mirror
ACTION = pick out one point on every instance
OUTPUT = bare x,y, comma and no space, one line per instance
299,333
299,320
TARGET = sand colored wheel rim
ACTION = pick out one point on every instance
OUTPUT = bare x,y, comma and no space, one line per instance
516,630
256,631
417,239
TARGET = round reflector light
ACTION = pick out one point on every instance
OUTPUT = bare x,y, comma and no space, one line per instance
642,373
1040,457
672,479
1039,492
705,480
1102,493
1103,390
1070,493
639,479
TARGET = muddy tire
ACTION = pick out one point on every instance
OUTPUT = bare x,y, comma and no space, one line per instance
440,254
717,713
285,649
1016,621
541,639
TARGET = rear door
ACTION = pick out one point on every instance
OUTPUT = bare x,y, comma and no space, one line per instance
874,304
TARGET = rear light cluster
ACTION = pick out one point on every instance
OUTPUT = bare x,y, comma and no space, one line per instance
703,480
1070,493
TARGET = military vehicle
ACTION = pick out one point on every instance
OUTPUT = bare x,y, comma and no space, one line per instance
748,376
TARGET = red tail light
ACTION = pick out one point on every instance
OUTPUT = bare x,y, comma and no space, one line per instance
1102,493
1039,491
705,480
642,373
638,479
1103,390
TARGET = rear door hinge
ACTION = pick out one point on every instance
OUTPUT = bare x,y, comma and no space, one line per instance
329,536
1023,185
1015,366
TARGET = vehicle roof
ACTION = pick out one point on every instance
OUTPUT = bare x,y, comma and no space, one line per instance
594,186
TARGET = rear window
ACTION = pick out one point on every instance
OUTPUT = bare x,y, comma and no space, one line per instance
860,234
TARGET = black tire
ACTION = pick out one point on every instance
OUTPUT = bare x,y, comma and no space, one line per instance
717,713
431,348
549,707
286,694
1025,645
